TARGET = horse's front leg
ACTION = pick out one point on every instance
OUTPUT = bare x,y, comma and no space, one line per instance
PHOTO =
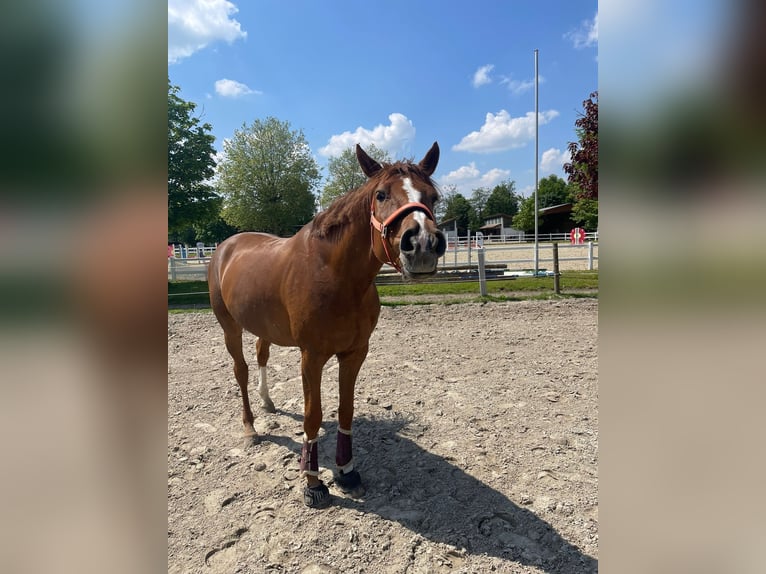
347,477
315,494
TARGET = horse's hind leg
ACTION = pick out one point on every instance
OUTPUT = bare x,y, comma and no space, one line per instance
233,338
262,353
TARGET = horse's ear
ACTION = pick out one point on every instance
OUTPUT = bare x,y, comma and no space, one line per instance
369,166
428,163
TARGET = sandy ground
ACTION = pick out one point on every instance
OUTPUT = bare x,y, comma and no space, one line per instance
476,435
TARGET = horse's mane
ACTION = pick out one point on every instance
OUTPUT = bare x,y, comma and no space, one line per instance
351,206
354,205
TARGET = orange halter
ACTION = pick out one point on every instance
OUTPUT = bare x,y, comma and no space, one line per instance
383,227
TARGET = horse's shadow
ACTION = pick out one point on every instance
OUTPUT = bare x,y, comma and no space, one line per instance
438,500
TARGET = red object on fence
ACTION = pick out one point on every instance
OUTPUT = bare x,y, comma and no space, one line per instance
577,236
170,251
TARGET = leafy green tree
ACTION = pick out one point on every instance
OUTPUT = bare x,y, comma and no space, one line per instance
440,209
553,190
214,231
344,173
462,210
478,202
191,164
585,213
503,199
267,178
524,220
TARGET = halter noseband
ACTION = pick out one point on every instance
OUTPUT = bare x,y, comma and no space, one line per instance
384,227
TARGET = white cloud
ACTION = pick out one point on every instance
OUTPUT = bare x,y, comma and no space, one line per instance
586,36
468,177
193,24
391,138
481,76
501,132
518,87
553,160
233,89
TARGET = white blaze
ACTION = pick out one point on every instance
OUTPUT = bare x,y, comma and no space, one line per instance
416,197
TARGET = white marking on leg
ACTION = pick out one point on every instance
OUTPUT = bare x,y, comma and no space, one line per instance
263,388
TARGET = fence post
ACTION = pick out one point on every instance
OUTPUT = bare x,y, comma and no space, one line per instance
468,243
590,255
172,268
457,246
482,273
556,274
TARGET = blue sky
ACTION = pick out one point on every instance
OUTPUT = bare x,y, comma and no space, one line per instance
398,73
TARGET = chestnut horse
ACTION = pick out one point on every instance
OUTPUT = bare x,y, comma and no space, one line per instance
316,291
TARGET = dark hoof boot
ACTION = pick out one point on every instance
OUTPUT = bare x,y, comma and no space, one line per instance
350,483
316,496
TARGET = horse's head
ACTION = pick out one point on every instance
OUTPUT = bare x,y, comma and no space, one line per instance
402,201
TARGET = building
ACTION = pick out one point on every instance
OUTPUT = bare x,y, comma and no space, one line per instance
556,219
499,226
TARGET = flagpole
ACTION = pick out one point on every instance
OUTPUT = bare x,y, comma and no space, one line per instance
537,260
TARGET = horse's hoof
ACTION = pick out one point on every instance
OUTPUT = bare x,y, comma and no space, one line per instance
268,406
350,483
250,440
316,496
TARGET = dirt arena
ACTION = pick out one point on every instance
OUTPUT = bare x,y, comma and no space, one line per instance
476,434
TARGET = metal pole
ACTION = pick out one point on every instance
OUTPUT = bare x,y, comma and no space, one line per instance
537,257
556,274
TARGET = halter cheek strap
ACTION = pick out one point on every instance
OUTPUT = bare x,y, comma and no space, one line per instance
384,227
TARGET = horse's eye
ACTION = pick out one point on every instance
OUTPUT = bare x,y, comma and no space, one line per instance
381,196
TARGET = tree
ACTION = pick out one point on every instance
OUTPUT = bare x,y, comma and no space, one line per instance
191,164
214,231
503,199
524,220
440,209
459,208
344,173
552,190
583,169
478,202
267,178
585,213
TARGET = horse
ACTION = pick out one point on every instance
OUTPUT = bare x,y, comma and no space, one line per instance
316,291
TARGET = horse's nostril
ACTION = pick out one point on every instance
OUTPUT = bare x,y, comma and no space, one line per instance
409,240
441,244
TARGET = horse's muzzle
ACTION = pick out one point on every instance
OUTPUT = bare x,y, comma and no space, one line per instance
419,251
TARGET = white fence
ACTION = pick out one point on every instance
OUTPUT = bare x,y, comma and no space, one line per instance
517,256
190,263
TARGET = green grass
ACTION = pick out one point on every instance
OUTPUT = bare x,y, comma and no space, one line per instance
573,284
577,280
188,293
